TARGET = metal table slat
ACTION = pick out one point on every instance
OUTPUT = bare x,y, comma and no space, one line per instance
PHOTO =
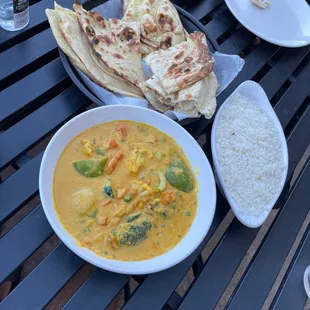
298,141
220,24
292,294
237,42
282,69
18,57
45,281
253,63
203,8
109,285
40,123
20,242
221,267
164,283
37,84
19,188
274,249
294,97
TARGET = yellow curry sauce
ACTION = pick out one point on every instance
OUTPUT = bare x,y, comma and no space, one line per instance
125,190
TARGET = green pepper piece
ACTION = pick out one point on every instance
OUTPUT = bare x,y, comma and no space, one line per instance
178,176
91,168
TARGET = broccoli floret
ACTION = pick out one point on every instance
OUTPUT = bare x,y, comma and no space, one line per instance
130,234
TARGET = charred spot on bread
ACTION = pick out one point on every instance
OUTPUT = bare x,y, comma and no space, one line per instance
166,43
90,30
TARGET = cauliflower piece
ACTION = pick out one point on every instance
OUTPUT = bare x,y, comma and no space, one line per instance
145,190
86,147
136,160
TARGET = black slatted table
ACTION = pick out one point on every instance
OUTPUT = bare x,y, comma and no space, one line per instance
37,97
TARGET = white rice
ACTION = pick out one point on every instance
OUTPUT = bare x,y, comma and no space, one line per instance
249,154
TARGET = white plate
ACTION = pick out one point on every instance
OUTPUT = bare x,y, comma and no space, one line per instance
255,92
205,178
285,22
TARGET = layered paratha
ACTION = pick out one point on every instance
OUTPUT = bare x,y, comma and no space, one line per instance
159,23
183,64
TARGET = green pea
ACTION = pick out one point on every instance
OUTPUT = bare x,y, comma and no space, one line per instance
127,198
187,213
91,168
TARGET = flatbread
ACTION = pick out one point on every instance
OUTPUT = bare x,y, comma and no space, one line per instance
205,101
73,42
196,99
54,21
183,64
154,99
160,23
74,36
119,51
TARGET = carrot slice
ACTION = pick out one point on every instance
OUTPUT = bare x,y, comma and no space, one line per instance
113,144
112,163
167,198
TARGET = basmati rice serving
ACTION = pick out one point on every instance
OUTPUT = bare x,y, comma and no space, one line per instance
249,154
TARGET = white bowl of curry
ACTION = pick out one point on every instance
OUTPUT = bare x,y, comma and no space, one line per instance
127,189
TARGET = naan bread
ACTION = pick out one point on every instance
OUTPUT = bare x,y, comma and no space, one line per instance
54,21
196,99
159,21
118,50
183,64
97,72
75,45
154,98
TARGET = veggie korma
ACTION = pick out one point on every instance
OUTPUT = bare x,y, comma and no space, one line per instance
125,190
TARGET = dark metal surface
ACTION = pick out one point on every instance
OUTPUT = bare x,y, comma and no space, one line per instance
110,284
37,97
292,294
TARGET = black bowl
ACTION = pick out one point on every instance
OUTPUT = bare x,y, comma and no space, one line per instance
189,22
